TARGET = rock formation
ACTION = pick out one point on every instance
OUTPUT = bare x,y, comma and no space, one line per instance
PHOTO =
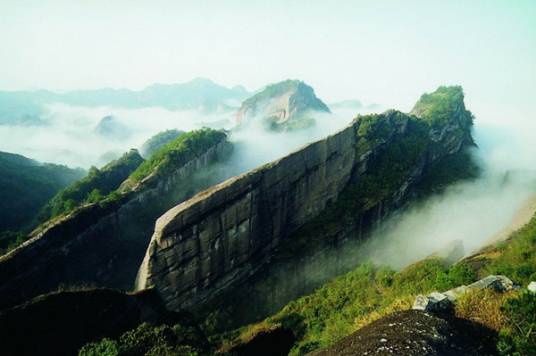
437,302
102,244
226,234
413,332
284,105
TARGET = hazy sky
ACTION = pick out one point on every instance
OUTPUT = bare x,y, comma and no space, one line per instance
377,51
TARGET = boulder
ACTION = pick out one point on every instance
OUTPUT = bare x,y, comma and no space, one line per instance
436,302
455,293
532,287
496,283
433,302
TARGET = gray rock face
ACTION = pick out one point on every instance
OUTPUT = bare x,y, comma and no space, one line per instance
433,302
100,245
281,104
224,235
436,302
496,283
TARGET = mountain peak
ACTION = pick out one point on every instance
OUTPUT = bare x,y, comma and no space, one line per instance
282,105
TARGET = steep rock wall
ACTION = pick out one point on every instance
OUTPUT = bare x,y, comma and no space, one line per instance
222,237
101,244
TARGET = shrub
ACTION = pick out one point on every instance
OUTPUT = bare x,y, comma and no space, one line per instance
105,347
518,337
176,152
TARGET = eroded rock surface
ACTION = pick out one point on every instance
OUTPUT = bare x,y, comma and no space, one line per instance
101,245
223,236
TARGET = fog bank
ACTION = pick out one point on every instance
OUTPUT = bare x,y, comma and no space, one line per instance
477,212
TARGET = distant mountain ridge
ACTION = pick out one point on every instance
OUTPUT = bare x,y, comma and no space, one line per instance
24,107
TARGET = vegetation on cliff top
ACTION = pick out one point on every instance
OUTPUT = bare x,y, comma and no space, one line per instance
92,188
176,153
442,105
155,142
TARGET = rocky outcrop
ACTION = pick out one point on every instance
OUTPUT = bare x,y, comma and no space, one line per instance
283,105
227,234
412,332
438,302
101,244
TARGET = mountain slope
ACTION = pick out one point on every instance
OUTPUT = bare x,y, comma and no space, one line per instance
90,189
103,243
284,105
26,185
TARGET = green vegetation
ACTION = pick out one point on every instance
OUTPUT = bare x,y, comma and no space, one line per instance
155,142
150,340
454,168
386,174
368,293
25,187
518,336
442,105
92,188
344,304
10,240
515,258
176,153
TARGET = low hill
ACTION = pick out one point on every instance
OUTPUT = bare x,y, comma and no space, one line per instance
25,187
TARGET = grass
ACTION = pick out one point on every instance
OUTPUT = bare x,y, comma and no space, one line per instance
483,307
515,258
357,298
368,293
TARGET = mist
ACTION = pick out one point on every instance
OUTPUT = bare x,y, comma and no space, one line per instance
478,213
68,133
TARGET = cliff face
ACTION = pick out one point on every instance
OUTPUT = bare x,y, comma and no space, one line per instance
101,244
333,189
282,105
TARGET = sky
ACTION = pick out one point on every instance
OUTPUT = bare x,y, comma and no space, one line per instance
387,52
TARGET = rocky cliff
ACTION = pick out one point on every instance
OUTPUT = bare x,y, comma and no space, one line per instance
103,244
331,190
283,105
